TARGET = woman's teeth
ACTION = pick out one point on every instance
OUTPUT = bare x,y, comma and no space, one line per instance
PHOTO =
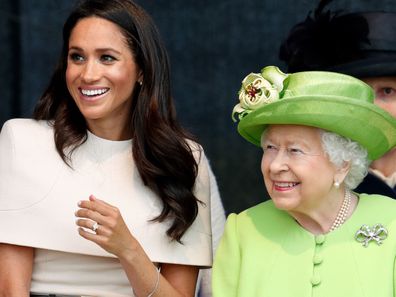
94,92
285,185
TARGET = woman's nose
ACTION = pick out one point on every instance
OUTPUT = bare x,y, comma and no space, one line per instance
279,161
90,71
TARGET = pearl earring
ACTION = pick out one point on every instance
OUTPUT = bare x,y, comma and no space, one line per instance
140,82
336,184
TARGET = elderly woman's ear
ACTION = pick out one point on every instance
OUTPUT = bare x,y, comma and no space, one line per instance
341,173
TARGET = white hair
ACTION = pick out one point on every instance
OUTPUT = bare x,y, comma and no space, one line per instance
341,149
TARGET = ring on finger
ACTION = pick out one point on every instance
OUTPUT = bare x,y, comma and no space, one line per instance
95,227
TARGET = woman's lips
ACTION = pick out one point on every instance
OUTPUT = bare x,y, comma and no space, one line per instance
285,186
91,94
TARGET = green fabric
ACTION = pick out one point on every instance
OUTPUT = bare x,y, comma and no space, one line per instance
327,100
264,252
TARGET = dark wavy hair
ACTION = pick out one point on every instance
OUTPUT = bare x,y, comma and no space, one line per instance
160,145
324,39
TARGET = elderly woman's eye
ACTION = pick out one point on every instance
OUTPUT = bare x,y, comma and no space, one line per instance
269,147
295,151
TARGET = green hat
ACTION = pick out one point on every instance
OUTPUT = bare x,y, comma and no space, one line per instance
331,101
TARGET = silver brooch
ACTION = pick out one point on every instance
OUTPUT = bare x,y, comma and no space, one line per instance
376,233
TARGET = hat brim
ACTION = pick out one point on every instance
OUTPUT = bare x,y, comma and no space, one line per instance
363,122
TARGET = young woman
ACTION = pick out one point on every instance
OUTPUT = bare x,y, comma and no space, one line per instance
104,152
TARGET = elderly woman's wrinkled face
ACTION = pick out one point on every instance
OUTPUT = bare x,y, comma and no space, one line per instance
297,172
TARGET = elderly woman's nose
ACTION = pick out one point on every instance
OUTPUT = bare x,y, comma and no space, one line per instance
278,161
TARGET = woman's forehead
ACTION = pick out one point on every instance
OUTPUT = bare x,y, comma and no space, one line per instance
293,134
292,131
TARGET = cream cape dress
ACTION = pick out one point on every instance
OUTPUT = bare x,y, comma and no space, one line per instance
39,195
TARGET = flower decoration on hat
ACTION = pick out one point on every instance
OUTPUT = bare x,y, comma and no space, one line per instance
259,89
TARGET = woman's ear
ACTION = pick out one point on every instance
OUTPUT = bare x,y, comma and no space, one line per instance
140,77
342,172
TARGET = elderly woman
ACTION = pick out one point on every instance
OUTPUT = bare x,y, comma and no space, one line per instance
315,237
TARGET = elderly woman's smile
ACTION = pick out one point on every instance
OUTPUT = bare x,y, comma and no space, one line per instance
284,186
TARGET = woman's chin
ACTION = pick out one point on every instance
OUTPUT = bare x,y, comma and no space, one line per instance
285,204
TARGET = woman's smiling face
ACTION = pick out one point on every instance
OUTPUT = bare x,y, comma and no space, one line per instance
101,72
297,173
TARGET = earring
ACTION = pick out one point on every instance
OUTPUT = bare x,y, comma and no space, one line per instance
140,83
336,184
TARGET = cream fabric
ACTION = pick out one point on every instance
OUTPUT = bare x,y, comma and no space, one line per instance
218,220
39,195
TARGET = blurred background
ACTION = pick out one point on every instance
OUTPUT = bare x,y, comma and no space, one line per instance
212,45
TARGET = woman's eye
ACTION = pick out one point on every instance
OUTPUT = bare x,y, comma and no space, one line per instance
107,58
269,147
295,151
76,57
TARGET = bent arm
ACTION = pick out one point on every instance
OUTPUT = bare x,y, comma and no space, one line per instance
114,236
16,266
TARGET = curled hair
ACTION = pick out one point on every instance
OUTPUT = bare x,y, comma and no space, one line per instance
160,147
339,150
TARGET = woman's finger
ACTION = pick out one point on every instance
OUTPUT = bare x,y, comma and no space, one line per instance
99,201
93,227
97,205
91,215
88,225
90,235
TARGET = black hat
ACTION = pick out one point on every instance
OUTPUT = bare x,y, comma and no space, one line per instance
359,44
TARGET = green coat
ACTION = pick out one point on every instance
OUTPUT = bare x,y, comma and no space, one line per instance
264,252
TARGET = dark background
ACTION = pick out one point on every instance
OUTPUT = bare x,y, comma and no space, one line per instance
212,46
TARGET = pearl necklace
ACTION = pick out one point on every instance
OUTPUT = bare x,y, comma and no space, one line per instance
343,212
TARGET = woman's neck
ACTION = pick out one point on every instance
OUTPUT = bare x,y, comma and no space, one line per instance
322,219
386,164
109,131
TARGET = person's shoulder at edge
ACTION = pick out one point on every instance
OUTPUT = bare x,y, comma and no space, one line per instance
258,208
374,202
26,125
25,135
196,149
263,212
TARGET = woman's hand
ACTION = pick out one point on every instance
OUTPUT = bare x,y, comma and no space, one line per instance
112,234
